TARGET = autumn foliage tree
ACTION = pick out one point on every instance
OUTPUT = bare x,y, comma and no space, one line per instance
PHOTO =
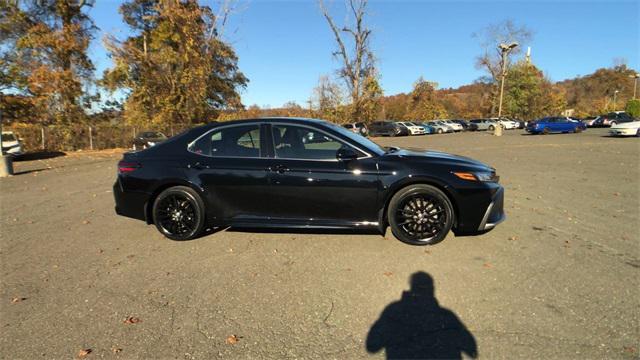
44,57
175,67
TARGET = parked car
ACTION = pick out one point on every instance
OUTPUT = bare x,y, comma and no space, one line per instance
359,128
506,123
413,128
11,144
428,129
147,139
613,118
213,176
485,124
555,124
472,127
387,128
626,129
440,127
463,123
453,125
589,121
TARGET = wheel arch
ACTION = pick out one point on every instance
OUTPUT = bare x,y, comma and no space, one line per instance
148,207
395,188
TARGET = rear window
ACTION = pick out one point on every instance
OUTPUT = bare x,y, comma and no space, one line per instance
234,141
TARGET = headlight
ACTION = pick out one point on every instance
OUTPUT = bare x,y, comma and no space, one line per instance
484,176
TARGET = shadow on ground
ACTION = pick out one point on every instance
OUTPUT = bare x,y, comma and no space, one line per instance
416,327
39,155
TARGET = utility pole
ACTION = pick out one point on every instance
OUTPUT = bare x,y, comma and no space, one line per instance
635,83
504,50
6,161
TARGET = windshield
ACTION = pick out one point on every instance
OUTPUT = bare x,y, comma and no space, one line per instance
358,139
8,137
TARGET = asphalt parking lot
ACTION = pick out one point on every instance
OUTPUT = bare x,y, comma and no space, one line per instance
558,279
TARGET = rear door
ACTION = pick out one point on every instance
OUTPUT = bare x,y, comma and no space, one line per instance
311,186
230,163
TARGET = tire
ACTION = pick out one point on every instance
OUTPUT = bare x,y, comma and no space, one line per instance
638,133
491,128
545,131
179,213
577,129
420,215
613,123
439,131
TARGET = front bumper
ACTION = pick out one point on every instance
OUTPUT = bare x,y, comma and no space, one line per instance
494,213
623,132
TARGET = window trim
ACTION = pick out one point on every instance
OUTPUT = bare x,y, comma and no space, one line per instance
273,146
260,150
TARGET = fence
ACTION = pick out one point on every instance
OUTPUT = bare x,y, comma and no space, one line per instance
79,137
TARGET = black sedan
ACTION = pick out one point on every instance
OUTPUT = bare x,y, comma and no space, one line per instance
308,174
388,128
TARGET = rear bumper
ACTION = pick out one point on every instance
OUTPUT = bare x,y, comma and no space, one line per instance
130,204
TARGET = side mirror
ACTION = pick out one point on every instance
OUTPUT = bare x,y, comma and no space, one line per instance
346,154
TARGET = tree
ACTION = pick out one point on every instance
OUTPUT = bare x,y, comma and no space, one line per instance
423,103
633,108
529,95
175,67
327,99
44,56
371,105
491,59
358,63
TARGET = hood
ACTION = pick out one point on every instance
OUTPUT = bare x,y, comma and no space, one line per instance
627,125
439,157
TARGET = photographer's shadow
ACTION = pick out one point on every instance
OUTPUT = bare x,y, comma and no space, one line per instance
416,327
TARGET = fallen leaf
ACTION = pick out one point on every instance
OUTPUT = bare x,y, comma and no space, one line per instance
388,273
132,320
427,252
85,222
487,265
616,194
100,251
232,339
513,238
18,299
83,353
116,350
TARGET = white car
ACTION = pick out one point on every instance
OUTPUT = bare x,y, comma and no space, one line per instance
507,124
454,125
626,129
413,128
11,144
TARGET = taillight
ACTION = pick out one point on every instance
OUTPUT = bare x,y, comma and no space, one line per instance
127,166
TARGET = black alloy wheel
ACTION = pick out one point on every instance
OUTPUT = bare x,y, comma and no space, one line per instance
420,215
178,213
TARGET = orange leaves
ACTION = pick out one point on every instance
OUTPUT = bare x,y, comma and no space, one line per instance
132,320
232,339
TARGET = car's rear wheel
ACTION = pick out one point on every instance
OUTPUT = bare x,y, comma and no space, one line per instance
491,127
420,215
545,131
439,131
178,213
612,123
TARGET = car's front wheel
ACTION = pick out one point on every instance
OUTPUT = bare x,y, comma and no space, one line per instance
420,215
178,213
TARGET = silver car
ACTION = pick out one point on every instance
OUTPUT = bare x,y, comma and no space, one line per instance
485,124
440,127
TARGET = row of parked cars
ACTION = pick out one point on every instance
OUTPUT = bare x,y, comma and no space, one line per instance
404,128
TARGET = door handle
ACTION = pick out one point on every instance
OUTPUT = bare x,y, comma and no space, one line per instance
280,169
197,166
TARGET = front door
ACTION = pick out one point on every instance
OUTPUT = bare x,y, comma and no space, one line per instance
310,185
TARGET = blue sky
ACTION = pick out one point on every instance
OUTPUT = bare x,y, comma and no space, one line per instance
284,46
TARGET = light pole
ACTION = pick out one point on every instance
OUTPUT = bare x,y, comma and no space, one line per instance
615,94
504,51
635,83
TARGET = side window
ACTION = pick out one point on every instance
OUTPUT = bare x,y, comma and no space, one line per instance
234,141
295,142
